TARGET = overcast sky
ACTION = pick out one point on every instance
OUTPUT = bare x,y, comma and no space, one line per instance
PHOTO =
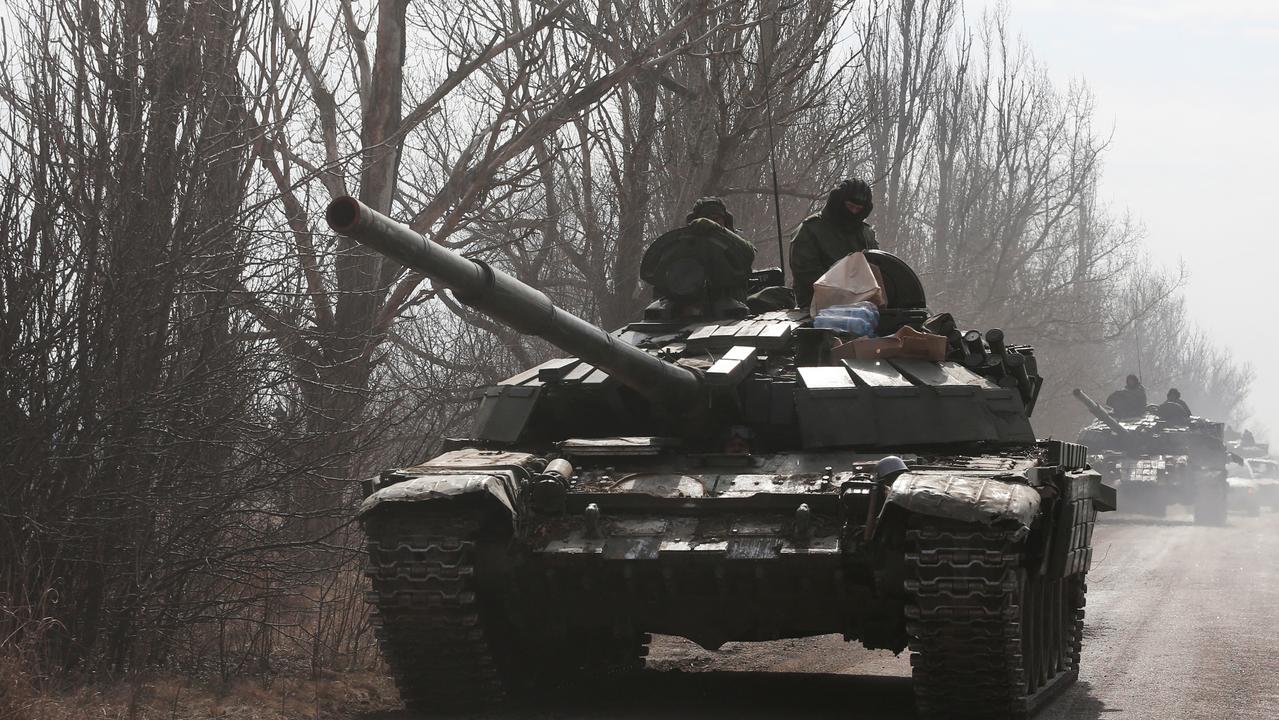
1191,89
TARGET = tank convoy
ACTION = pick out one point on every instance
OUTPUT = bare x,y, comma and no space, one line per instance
1155,462
728,478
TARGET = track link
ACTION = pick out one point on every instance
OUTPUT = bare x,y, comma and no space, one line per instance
428,616
451,642
986,640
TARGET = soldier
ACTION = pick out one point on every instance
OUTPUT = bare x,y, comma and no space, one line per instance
839,229
1173,407
1130,401
702,268
712,208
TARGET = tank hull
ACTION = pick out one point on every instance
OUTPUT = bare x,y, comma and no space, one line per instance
1154,464
1149,485
527,601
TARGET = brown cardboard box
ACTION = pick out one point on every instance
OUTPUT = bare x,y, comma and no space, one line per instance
907,343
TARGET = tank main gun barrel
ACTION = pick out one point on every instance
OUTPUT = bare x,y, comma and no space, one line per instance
515,304
1100,412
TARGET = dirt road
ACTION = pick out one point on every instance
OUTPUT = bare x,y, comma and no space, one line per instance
1183,623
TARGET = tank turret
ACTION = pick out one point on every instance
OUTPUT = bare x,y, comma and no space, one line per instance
1100,413
515,304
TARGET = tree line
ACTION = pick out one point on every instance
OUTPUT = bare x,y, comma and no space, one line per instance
196,373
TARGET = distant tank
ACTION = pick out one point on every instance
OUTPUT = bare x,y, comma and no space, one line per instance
1155,463
725,480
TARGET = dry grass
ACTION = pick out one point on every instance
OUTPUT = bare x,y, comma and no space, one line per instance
16,691
23,630
166,697
323,626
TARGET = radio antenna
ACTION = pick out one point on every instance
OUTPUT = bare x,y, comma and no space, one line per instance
772,166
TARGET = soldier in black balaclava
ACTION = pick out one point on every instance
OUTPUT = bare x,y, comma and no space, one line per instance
839,229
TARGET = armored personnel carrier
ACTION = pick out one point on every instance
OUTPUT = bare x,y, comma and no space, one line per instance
726,480
1155,462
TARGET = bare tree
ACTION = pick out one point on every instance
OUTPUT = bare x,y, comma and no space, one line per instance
987,177
195,370
631,168
441,139
133,386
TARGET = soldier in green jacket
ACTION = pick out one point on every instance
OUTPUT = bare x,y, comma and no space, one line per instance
702,268
839,229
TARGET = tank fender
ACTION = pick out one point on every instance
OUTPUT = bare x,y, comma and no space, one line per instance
499,485
966,499
492,476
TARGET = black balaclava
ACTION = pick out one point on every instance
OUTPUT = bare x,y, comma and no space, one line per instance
855,190
707,206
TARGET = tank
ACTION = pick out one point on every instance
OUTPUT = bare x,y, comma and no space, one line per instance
1154,462
726,480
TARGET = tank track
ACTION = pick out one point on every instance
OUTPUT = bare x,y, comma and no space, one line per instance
986,640
453,649
427,613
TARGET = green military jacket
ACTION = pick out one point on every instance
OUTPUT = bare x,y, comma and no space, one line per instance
817,245
726,255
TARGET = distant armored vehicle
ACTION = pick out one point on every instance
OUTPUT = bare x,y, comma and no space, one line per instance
1245,449
726,480
1254,475
1154,462
1265,473
1254,484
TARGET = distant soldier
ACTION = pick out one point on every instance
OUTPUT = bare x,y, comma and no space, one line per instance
1130,401
700,269
1173,407
839,229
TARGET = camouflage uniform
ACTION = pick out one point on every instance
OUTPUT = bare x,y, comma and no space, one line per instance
727,256
826,237
701,268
